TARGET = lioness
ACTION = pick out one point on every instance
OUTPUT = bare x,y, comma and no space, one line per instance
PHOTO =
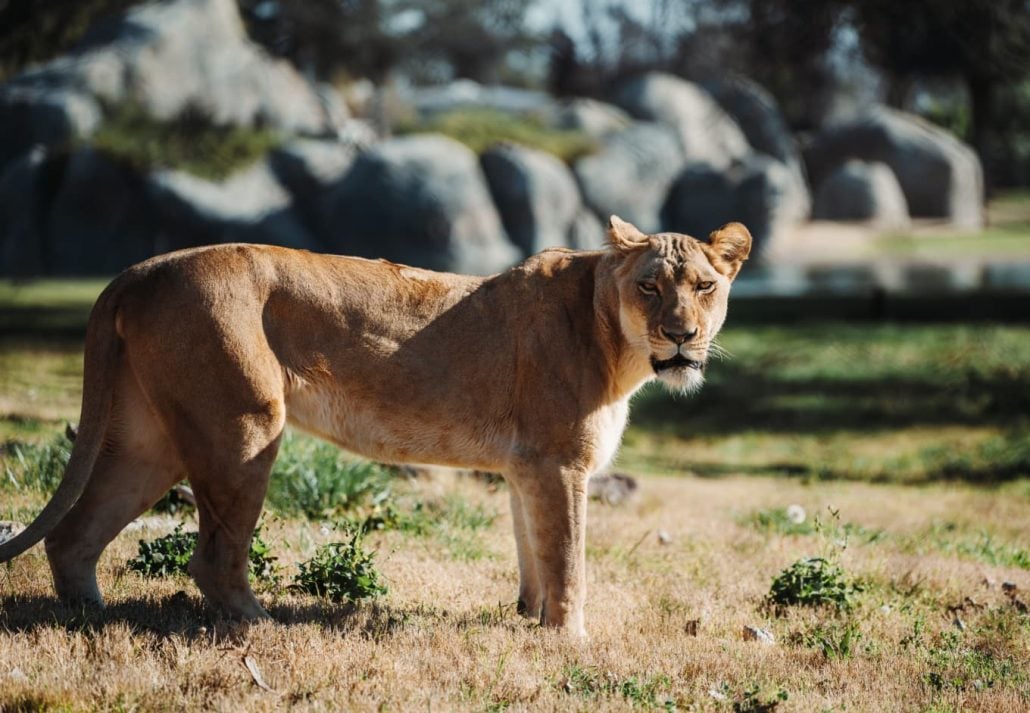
196,360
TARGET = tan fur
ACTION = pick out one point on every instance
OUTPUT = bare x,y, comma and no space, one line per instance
196,360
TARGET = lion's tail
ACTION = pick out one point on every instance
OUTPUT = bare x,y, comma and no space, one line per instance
99,369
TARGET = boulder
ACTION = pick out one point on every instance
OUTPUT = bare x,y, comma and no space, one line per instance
765,128
706,132
757,192
98,222
250,206
857,190
940,176
24,201
307,168
631,173
43,115
536,195
587,232
594,118
419,200
167,57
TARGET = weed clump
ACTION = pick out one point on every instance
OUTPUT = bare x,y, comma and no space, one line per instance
168,556
340,572
37,467
813,581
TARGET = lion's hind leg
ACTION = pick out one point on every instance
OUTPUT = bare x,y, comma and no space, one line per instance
136,467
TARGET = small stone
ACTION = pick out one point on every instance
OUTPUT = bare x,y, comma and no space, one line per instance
692,626
886,609
959,624
717,694
987,582
796,514
754,633
16,674
9,528
1009,588
664,537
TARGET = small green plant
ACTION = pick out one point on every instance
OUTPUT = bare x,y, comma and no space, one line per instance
36,467
837,642
755,699
479,129
189,142
313,479
169,555
340,572
813,581
165,556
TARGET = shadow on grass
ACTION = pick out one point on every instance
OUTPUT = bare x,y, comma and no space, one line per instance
740,398
187,616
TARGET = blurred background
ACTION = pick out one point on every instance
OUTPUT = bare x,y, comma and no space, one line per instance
878,151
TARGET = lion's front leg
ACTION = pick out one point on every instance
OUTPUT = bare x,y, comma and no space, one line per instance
554,502
530,600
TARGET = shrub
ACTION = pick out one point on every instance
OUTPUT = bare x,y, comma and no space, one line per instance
813,581
479,129
169,555
313,479
340,572
189,142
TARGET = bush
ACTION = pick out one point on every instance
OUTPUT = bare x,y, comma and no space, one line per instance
313,479
479,129
188,142
169,555
340,572
813,581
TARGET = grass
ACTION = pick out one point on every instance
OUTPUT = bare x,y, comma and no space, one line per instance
479,129
187,142
915,435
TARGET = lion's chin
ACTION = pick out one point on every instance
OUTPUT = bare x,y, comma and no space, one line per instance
686,379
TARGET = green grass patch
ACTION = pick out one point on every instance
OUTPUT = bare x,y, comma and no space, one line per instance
637,691
188,142
315,479
35,467
479,129
981,546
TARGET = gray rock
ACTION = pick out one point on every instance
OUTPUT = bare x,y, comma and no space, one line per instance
466,93
631,174
535,193
586,231
757,192
24,201
590,116
759,117
419,200
167,57
307,168
43,115
99,222
706,132
862,191
940,176
249,206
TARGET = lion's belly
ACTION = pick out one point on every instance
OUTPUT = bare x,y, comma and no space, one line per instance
396,435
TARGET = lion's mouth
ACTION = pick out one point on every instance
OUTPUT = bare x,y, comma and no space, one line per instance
677,362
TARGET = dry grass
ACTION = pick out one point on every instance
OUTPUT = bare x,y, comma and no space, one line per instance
446,636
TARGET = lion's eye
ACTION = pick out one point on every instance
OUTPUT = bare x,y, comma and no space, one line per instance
648,288
705,286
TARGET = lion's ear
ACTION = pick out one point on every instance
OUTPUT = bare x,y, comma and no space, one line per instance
624,236
729,247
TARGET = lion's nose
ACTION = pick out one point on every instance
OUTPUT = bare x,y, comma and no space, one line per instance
679,337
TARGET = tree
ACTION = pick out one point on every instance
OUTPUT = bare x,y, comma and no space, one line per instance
984,44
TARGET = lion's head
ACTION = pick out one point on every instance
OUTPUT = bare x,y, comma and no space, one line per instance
673,292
